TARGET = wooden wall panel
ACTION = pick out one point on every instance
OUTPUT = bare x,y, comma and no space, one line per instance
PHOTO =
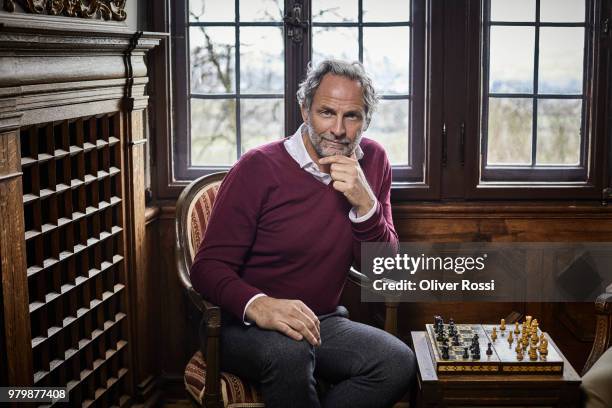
17,359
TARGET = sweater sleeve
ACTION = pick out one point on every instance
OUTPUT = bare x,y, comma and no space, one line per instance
379,227
229,236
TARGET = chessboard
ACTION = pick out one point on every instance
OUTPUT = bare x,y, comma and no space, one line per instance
492,349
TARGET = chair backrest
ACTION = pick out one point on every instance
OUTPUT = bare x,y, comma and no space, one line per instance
193,210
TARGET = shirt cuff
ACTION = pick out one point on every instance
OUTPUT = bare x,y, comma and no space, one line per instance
353,214
244,320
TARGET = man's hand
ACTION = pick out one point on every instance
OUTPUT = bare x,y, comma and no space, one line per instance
290,317
348,178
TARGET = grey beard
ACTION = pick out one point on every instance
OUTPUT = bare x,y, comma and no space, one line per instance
316,139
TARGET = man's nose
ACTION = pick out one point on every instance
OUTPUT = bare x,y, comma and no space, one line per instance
338,129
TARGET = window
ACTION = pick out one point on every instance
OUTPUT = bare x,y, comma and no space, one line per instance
534,108
480,99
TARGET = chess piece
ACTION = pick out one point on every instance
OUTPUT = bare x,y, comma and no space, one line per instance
525,340
534,339
445,355
528,321
533,353
510,337
489,350
476,354
518,347
456,340
519,354
543,348
502,325
465,353
494,334
516,328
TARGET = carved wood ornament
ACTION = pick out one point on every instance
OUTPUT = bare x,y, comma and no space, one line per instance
106,9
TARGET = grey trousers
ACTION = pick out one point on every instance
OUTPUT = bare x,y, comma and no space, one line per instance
366,366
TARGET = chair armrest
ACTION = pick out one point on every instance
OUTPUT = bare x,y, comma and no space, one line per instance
603,329
358,278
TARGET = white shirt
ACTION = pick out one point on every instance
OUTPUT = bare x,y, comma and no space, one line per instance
297,150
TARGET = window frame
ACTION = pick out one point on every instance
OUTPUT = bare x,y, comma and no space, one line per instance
297,57
541,184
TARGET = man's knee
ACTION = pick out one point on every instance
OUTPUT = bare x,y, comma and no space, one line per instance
397,366
291,360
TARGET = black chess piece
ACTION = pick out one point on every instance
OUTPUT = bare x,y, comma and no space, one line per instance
489,350
440,337
476,353
445,355
465,353
456,340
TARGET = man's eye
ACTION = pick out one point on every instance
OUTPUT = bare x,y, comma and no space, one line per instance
326,113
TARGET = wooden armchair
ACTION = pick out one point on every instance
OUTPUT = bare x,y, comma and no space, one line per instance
603,329
597,372
206,384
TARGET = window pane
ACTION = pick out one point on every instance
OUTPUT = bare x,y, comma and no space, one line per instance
389,126
213,132
334,10
561,60
212,59
386,53
559,131
261,10
262,67
515,10
510,130
262,121
334,42
511,59
562,11
390,10
210,10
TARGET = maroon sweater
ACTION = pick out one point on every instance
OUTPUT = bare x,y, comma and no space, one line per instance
276,229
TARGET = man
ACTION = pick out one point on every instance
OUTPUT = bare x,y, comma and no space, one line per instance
287,224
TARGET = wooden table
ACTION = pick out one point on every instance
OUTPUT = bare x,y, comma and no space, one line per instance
494,390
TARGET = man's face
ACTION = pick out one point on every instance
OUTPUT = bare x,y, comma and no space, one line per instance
337,116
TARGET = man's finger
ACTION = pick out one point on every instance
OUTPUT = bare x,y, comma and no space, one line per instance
289,332
311,324
340,186
338,175
334,159
308,311
301,328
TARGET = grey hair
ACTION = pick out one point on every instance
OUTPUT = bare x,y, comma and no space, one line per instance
351,70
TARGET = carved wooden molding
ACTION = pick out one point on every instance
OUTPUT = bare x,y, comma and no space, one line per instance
106,9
